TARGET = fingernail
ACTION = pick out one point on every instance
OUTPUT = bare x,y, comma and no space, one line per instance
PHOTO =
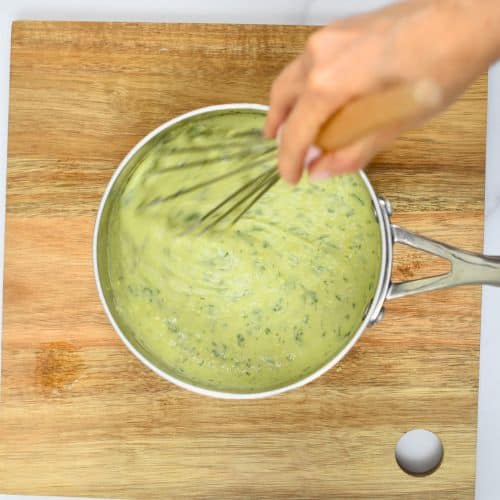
313,153
320,175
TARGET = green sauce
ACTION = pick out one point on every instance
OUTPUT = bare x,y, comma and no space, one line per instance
249,308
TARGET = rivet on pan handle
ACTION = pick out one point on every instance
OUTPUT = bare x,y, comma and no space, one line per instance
466,268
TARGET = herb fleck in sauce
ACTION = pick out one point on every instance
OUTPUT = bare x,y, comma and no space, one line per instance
252,308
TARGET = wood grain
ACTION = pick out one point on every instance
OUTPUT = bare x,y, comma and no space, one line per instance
81,416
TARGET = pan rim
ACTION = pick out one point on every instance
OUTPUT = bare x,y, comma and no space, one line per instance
370,316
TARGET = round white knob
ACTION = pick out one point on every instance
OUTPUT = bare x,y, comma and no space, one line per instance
419,451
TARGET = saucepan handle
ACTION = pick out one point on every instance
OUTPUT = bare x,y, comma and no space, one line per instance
466,268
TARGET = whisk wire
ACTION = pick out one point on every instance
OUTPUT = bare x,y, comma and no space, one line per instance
258,185
273,179
257,149
250,150
200,185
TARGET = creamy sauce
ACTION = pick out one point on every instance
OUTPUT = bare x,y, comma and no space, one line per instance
249,308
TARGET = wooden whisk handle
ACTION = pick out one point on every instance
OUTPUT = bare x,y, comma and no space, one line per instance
372,112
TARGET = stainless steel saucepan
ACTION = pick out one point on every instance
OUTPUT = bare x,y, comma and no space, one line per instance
466,267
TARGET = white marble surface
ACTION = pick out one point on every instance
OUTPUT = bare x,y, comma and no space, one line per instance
293,12
488,438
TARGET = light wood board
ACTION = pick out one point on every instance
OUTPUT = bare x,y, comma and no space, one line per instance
81,416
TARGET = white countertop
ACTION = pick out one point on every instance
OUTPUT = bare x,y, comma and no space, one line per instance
294,12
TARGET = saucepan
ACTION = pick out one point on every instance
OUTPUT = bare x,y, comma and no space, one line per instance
466,268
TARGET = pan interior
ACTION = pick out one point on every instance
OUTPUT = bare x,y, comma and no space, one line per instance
248,309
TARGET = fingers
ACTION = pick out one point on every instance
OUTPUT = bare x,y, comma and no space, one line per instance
347,160
324,93
354,157
351,59
284,92
298,133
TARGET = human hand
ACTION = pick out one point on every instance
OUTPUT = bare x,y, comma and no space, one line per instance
449,42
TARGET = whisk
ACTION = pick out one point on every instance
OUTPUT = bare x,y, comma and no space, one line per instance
356,119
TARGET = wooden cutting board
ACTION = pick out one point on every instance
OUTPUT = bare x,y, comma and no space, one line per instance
81,416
